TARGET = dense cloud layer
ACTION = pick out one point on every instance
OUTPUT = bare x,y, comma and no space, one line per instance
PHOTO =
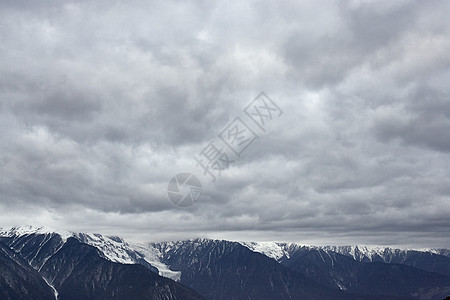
102,103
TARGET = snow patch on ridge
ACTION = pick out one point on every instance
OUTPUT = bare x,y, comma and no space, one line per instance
113,248
152,256
275,250
270,249
25,230
116,249
55,292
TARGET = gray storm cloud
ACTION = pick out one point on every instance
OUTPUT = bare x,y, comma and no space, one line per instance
102,103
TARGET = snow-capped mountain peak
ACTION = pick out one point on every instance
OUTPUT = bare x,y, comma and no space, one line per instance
28,229
276,250
271,249
113,248
280,251
152,255
118,250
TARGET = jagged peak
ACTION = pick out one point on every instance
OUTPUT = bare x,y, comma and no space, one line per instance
29,229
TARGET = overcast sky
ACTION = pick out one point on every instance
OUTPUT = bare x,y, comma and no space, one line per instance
101,104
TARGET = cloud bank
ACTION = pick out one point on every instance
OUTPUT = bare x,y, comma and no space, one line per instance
101,104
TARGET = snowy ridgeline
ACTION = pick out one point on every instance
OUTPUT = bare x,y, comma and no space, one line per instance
280,251
114,249
118,250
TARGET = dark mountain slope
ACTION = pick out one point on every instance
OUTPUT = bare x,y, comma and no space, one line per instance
425,260
18,280
339,271
228,270
79,272
36,248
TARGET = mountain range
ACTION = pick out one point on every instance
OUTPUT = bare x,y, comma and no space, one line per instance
42,263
